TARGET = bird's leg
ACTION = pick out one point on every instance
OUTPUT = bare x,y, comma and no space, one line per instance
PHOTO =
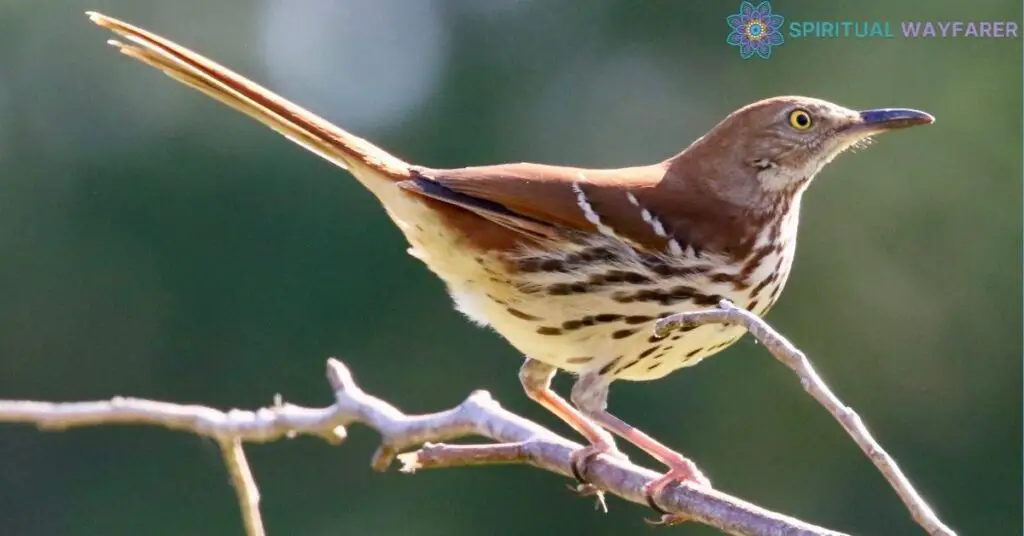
536,379
590,395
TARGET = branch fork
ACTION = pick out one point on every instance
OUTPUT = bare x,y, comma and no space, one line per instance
516,440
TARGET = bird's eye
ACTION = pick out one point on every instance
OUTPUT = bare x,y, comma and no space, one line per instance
800,119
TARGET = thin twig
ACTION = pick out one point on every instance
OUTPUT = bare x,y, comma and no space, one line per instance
244,484
792,357
518,441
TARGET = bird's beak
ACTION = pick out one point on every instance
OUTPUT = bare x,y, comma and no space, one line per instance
884,119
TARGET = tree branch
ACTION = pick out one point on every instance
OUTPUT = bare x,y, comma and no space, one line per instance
792,357
245,486
518,441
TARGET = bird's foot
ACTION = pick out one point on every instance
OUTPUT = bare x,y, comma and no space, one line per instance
681,470
579,461
582,457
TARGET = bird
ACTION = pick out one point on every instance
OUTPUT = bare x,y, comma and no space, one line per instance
573,266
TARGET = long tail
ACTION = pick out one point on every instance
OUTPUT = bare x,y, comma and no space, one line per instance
373,166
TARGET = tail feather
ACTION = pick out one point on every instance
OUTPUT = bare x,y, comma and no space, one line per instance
373,166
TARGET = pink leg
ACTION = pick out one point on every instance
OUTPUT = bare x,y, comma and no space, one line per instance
536,379
590,395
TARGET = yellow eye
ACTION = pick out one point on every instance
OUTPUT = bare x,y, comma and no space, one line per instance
800,119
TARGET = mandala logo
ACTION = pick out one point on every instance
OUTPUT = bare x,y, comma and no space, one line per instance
755,29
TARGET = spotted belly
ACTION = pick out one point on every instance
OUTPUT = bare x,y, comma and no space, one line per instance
600,316
586,333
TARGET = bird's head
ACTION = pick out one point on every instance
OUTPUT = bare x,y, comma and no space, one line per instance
782,142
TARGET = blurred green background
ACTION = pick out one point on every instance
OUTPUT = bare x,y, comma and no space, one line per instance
154,243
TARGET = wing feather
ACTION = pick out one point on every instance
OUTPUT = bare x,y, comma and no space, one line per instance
532,198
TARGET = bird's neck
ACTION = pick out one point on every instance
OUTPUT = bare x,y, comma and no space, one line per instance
715,170
723,202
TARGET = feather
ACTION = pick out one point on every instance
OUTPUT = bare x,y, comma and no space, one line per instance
525,196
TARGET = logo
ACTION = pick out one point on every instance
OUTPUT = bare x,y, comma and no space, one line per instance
755,30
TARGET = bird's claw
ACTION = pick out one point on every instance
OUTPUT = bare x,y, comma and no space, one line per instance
684,471
579,460
667,519
586,489
578,463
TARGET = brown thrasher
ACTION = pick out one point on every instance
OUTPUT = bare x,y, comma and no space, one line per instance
573,266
